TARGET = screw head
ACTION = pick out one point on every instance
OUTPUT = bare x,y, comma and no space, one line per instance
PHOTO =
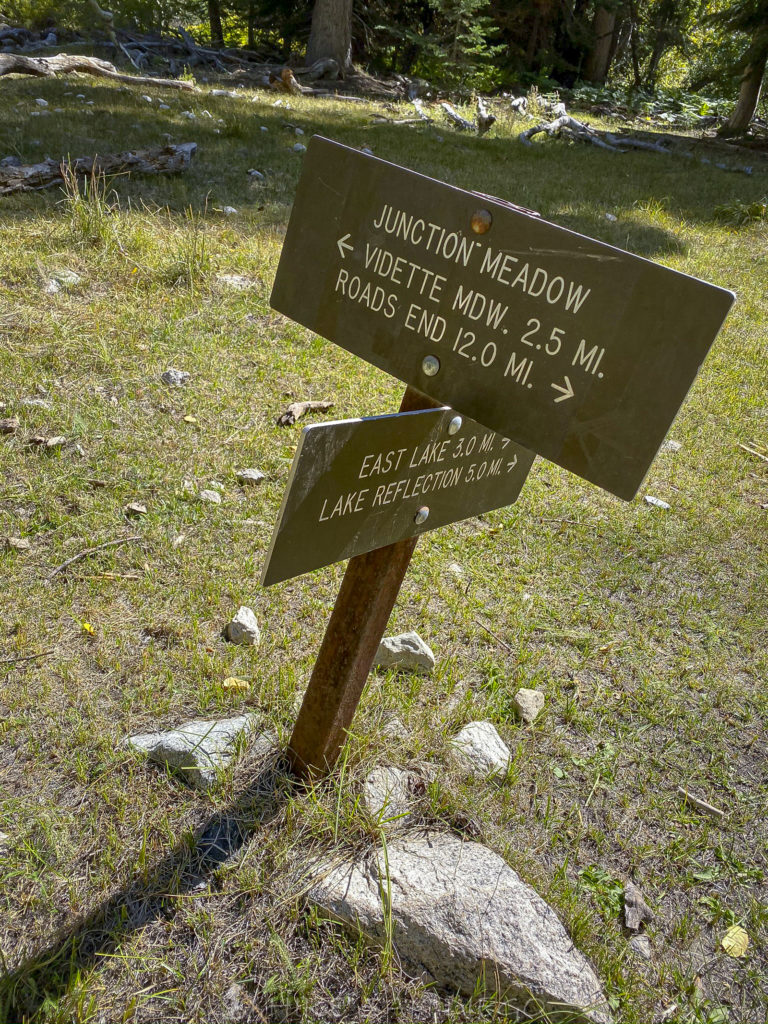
481,221
430,365
421,516
455,425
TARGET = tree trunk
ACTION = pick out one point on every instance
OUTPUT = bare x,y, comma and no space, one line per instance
331,33
214,17
598,61
251,25
749,91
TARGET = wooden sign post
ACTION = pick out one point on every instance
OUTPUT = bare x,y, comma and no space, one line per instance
576,350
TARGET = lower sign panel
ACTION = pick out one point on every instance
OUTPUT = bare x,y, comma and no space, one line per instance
356,485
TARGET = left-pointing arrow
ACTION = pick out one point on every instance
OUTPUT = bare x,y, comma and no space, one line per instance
343,244
566,392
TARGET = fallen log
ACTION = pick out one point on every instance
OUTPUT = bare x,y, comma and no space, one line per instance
453,115
161,160
65,64
484,117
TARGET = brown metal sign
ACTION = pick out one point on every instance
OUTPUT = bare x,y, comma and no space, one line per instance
356,485
577,350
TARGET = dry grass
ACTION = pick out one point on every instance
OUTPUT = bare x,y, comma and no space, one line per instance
646,630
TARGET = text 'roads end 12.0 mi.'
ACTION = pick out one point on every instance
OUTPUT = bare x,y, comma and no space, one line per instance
573,348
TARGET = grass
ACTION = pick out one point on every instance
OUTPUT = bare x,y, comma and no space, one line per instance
645,629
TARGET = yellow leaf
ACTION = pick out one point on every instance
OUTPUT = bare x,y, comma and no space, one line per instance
735,941
88,628
233,683
190,419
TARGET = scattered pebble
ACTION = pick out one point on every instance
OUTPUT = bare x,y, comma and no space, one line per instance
656,502
405,653
671,446
9,425
56,442
175,378
243,629
212,497
611,217
299,148
41,102
250,476
229,211
256,174
80,96
206,113
134,509
367,150
263,128
188,114
482,750
298,131
5,842
163,106
17,543
147,98
528,704
641,945
239,282
636,910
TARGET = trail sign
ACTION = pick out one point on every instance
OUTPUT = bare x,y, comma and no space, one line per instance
356,485
577,350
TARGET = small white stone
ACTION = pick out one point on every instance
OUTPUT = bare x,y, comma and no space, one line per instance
299,131
188,114
367,150
52,287
256,174
611,217
206,113
80,96
163,106
656,502
244,629
238,282
671,446
405,653
41,102
263,127
212,497
528,704
482,750
34,113
89,103
456,569
229,211
147,98
18,543
5,842
250,476
299,148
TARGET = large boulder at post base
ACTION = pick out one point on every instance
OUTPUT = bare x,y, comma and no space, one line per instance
460,913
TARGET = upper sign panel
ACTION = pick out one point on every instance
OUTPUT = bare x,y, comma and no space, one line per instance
576,350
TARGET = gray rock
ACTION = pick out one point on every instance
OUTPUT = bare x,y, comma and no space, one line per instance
175,378
299,148
636,910
641,945
257,175
528,704
406,652
671,446
200,749
386,795
237,282
250,476
10,161
459,912
163,106
482,750
244,629
41,102
212,497
229,211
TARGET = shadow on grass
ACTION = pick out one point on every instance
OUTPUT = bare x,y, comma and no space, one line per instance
46,976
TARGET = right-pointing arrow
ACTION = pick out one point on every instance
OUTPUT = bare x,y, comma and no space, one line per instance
566,392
